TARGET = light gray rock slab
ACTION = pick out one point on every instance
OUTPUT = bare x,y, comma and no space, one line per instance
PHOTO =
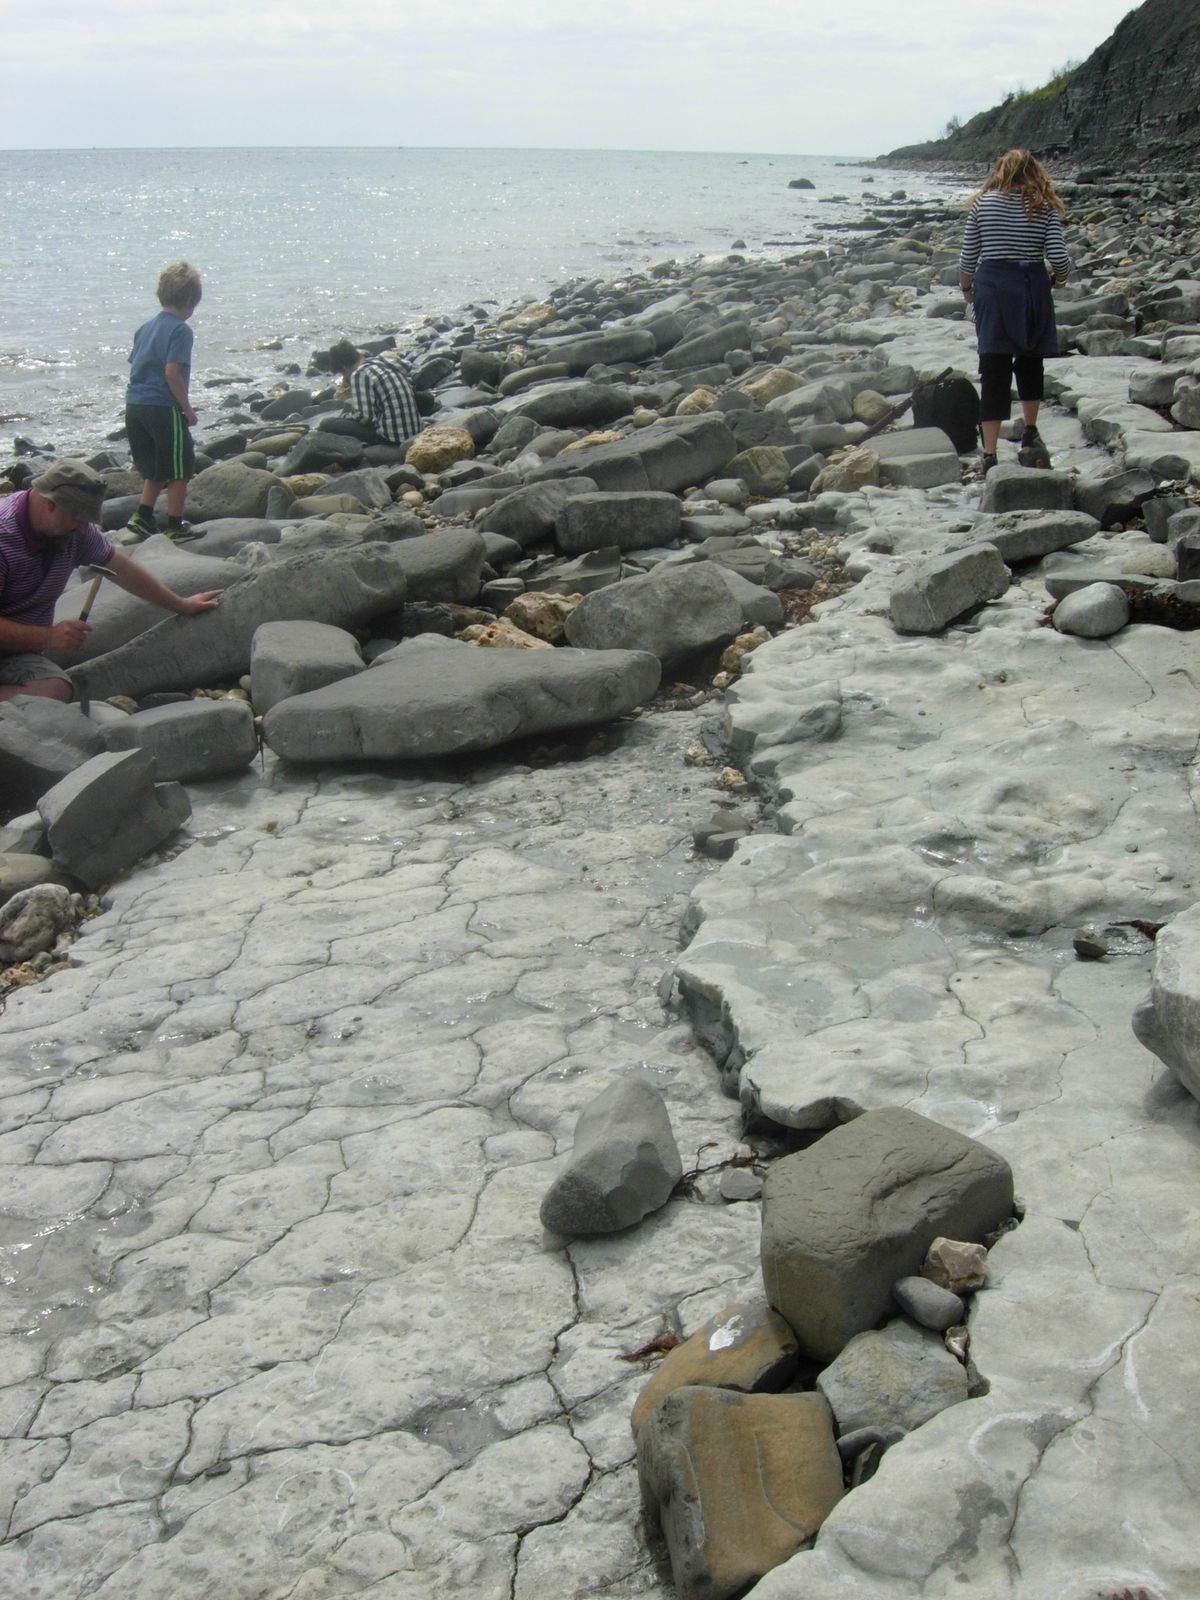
1029,535
109,814
1010,487
426,701
339,587
673,613
892,1377
623,1164
197,739
669,457
290,658
946,587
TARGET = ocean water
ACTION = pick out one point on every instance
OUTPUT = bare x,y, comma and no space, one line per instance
299,247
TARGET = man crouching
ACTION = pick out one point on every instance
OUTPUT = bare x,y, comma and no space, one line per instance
46,531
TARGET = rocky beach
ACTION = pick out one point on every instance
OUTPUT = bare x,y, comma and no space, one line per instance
621,1020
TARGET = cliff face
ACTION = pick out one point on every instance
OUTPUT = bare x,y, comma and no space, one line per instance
1135,102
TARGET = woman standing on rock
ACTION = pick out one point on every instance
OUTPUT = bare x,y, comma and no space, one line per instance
1014,227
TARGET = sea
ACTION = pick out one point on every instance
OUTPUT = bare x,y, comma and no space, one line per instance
300,247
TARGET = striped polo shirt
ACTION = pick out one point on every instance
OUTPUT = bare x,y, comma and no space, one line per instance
381,394
34,571
999,229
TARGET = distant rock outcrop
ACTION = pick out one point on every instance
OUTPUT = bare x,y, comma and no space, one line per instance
1131,104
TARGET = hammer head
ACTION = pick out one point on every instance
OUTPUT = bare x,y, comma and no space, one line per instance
100,572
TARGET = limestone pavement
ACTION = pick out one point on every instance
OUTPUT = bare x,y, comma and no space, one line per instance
281,1318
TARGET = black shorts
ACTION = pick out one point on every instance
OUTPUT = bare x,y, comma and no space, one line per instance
160,442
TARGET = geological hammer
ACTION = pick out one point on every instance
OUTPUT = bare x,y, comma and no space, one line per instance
101,574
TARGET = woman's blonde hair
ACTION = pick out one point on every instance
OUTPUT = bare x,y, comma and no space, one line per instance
179,285
1020,169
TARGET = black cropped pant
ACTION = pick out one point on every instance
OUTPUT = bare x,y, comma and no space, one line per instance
996,372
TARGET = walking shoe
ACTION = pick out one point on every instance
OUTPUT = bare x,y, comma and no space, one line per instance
1032,451
142,523
183,531
987,462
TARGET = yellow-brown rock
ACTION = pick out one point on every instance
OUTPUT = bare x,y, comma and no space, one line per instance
502,635
541,614
302,484
744,1347
733,655
738,1483
771,385
589,439
856,469
700,399
440,447
869,406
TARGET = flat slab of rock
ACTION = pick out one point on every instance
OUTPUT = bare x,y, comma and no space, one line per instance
669,456
893,1377
737,1482
196,739
440,698
530,514
109,814
744,1347
674,613
859,1209
1010,487
948,586
917,458
623,1165
290,658
342,587
1029,535
1168,1022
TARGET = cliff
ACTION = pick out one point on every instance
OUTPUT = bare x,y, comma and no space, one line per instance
1133,103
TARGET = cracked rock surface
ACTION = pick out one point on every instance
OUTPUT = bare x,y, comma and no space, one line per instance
907,941
281,1318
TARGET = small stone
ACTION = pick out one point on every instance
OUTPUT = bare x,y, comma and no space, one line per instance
730,779
956,1265
1089,948
739,1184
927,1303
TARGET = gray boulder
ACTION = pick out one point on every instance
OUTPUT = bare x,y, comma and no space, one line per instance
290,658
917,458
529,515
41,741
1168,1021
1094,612
230,489
1009,487
225,538
669,456
893,1377
598,521
930,596
441,697
845,1218
342,587
763,468
1115,498
596,570
575,404
32,919
117,617
109,814
610,346
703,348
758,604
623,1165
195,739
319,451
674,613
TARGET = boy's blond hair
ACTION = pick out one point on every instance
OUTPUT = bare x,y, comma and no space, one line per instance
179,285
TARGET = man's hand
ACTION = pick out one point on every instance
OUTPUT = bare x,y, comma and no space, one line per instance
68,635
192,605
189,416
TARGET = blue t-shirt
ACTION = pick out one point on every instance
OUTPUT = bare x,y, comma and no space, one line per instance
164,338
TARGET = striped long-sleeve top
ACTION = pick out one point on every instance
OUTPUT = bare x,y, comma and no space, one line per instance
999,229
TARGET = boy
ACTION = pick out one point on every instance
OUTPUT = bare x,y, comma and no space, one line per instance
157,409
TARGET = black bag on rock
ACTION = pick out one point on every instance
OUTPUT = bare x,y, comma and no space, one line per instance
951,404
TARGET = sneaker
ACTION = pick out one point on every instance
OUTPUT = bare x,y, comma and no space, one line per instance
183,531
1032,451
987,462
142,524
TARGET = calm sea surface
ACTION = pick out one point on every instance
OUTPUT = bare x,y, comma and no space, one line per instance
303,246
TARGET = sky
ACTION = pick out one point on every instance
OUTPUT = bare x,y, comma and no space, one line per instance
855,78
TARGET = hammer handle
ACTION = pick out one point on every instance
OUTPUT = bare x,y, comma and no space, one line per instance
91,595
